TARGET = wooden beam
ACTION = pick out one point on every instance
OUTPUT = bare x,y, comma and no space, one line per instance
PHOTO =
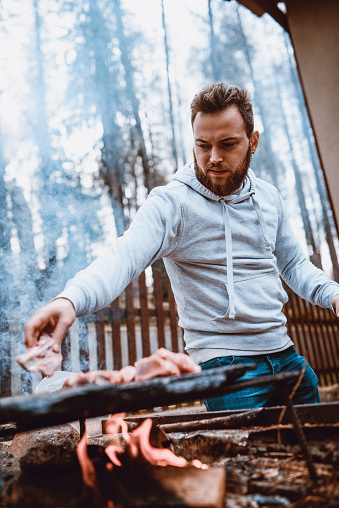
259,7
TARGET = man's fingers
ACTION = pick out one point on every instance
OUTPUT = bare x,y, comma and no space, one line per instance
59,334
55,319
33,329
335,305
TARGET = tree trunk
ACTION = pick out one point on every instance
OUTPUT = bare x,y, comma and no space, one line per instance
126,61
315,255
272,160
112,168
215,70
169,90
47,195
6,283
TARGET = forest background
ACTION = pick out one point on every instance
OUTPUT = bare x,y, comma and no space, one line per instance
94,112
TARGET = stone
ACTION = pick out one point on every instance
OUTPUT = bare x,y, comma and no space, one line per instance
52,446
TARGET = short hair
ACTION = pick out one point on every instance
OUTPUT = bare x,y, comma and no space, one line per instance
219,96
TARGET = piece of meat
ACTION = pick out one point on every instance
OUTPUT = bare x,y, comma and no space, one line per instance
101,377
161,363
164,363
41,357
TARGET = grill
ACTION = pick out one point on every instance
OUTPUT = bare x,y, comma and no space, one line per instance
292,436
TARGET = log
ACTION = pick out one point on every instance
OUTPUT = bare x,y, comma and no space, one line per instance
138,483
47,409
311,414
221,422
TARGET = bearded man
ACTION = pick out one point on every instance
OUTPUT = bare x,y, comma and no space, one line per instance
226,240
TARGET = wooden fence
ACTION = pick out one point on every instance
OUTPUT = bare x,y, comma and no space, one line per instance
144,318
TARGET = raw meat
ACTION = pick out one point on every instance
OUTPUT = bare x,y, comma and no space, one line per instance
164,363
161,363
41,357
101,377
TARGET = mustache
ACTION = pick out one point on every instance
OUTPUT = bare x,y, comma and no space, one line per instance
218,166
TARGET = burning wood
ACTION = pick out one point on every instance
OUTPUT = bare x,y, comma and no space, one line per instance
41,410
41,357
260,471
141,460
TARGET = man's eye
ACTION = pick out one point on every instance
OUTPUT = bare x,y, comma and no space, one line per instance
228,144
201,145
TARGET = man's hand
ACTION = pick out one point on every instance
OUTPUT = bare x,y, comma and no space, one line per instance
54,318
335,305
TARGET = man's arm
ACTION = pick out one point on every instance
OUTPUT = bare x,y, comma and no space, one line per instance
308,281
154,233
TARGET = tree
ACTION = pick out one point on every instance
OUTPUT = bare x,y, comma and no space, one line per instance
169,87
131,94
6,262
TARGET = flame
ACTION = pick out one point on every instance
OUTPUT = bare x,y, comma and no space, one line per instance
88,471
138,448
114,426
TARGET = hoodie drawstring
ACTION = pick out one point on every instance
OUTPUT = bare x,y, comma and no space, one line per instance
229,250
229,262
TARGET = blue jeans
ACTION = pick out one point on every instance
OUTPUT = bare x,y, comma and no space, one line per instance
267,395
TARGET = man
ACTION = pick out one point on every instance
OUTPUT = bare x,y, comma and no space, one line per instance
225,239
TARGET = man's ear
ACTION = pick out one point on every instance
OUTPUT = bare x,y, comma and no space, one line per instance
254,141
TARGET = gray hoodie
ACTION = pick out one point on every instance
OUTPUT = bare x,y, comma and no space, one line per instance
223,257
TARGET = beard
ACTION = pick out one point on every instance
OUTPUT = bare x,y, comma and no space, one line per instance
234,179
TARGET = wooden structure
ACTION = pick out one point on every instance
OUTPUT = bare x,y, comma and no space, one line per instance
313,28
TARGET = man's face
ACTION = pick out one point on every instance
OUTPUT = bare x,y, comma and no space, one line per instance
222,150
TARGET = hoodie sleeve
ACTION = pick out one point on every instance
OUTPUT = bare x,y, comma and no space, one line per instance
154,233
297,270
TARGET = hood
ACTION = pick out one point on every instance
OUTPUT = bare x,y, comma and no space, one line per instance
187,176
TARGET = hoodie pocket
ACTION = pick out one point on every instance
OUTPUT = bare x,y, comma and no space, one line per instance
258,299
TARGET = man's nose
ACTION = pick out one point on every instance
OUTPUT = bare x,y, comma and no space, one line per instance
216,155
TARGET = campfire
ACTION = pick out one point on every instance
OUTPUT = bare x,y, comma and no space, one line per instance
135,472
282,456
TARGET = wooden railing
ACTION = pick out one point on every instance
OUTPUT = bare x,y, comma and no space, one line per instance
144,318
314,331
